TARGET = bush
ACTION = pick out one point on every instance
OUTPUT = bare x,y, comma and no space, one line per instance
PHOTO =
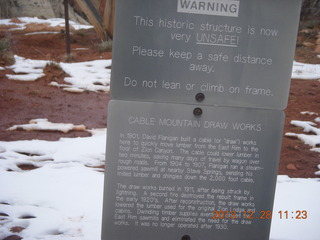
54,65
5,52
4,45
105,46
311,24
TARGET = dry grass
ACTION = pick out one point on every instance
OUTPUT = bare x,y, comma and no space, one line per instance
5,52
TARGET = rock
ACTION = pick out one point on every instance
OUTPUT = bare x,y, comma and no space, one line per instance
17,229
308,44
13,237
37,8
317,50
291,166
18,8
306,31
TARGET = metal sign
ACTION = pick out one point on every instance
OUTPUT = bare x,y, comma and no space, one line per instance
237,53
177,170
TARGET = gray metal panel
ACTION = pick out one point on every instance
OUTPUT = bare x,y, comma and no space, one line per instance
161,157
265,30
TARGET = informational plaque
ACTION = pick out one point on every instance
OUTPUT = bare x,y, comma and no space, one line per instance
172,173
237,53
195,124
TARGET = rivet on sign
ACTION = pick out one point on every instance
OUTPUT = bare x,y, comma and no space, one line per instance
200,97
186,237
197,111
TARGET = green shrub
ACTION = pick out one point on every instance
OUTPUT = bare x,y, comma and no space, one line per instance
5,52
311,24
4,45
105,46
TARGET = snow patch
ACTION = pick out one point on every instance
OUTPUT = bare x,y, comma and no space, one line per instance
312,140
43,124
305,71
56,154
27,69
309,113
53,22
25,77
292,195
84,76
91,76
307,126
62,198
40,33
318,172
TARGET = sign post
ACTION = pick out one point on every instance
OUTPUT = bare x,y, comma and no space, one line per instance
195,124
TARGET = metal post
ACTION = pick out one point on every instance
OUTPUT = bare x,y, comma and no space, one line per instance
66,16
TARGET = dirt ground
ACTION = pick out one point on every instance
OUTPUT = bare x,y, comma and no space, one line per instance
22,101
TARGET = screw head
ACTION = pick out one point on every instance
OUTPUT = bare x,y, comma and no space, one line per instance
197,111
186,237
200,97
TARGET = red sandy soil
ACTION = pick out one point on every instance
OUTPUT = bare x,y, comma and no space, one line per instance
22,101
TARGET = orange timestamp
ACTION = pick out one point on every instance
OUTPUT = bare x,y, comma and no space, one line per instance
298,214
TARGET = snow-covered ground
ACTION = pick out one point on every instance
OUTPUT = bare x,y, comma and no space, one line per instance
90,76
61,198
305,71
43,124
53,22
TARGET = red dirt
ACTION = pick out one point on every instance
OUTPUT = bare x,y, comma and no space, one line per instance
22,101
